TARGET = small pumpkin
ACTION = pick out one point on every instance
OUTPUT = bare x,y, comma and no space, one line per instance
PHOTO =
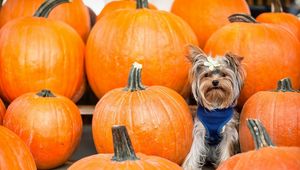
278,110
270,52
277,16
158,119
2,111
266,155
154,38
75,13
15,155
207,16
37,53
120,4
124,157
48,123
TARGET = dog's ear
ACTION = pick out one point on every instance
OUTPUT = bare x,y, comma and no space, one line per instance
195,53
234,60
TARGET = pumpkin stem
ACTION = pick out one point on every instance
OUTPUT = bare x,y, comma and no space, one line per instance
1,2
46,7
140,4
259,134
276,6
122,145
134,80
241,18
45,93
285,85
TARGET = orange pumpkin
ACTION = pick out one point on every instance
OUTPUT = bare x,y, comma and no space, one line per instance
124,157
2,111
75,13
15,155
158,119
207,16
38,53
154,38
120,4
278,110
270,52
277,16
266,156
48,123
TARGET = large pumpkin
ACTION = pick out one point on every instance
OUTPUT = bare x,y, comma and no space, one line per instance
75,13
124,157
49,124
2,111
38,53
266,155
154,38
158,119
207,16
278,110
277,16
14,154
270,52
120,4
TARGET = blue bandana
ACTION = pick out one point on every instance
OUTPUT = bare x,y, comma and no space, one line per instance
214,121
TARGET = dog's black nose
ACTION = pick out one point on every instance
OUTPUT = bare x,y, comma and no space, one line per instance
215,82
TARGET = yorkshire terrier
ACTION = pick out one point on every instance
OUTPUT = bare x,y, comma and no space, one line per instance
216,85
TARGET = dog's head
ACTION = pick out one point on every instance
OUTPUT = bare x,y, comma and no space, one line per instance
216,82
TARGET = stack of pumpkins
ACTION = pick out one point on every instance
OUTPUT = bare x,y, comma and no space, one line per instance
53,43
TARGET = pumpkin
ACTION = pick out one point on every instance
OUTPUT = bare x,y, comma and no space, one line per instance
120,4
270,52
75,13
278,110
38,53
266,155
2,111
207,16
48,123
154,38
158,119
277,16
15,154
124,157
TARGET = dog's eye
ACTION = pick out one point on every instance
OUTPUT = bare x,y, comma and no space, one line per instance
223,75
206,75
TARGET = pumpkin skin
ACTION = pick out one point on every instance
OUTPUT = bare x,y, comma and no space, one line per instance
2,111
266,155
275,158
279,111
14,153
50,125
156,115
270,53
124,157
74,13
154,38
207,16
286,20
119,4
50,51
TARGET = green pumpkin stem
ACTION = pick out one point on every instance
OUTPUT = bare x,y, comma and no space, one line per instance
45,9
45,93
276,6
259,134
122,145
285,85
241,18
1,2
140,4
134,80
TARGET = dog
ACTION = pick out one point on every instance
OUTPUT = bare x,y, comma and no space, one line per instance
216,85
